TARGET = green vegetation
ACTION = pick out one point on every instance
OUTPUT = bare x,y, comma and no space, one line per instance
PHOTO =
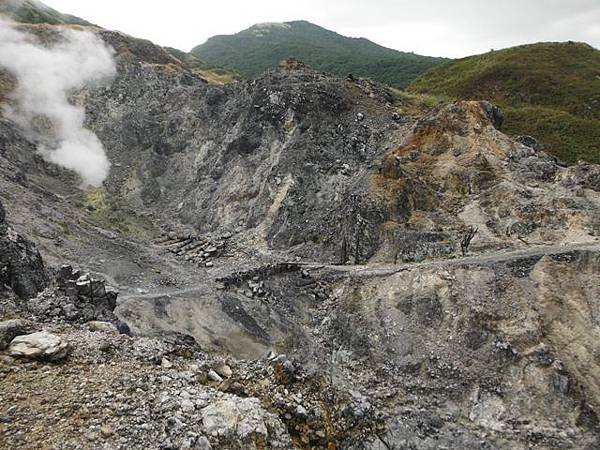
414,103
212,74
566,136
109,214
33,11
187,59
548,90
219,76
263,46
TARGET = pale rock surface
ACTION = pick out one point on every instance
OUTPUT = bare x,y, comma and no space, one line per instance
40,345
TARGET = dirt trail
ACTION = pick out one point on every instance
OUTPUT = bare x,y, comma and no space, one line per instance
488,258
376,270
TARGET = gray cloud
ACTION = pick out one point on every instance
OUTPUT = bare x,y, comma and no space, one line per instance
463,27
45,76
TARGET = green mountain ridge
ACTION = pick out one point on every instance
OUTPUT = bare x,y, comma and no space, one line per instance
548,90
33,11
263,46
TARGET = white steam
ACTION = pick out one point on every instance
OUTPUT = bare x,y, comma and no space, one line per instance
45,77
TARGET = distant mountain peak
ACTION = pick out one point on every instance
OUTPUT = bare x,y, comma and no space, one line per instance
267,25
262,46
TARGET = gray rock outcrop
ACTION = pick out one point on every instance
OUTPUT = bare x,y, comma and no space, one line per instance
9,329
21,266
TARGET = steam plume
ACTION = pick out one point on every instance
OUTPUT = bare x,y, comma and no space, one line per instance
45,76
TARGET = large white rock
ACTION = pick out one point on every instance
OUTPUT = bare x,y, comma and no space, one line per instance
240,420
41,345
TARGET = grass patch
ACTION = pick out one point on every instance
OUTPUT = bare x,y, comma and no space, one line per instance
566,136
108,213
218,76
29,11
415,103
548,90
214,75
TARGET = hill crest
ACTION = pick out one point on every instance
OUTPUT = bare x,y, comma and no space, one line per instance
262,46
550,90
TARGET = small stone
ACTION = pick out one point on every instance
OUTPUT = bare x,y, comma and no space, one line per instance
7,359
209,264
70,311
214,376
224,371
239,418
106,431
281,358
360,117
187,405
97,325
301,411
202,443
105,346
165,363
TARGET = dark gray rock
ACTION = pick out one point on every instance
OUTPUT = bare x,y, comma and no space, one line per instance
9,329
21,266
494,113
76,298
531,142
83,289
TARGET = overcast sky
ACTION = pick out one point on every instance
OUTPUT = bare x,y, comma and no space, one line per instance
452,28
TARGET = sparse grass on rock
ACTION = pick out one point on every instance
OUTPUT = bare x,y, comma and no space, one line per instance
548,90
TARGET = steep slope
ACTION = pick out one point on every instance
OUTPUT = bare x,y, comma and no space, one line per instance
299,161
262,46
34,11
226,206
548,90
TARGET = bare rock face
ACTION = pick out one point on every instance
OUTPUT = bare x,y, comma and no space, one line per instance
297,160
455,170
21,266
41,345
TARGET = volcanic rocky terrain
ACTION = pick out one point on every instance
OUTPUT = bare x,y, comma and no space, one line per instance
295,261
